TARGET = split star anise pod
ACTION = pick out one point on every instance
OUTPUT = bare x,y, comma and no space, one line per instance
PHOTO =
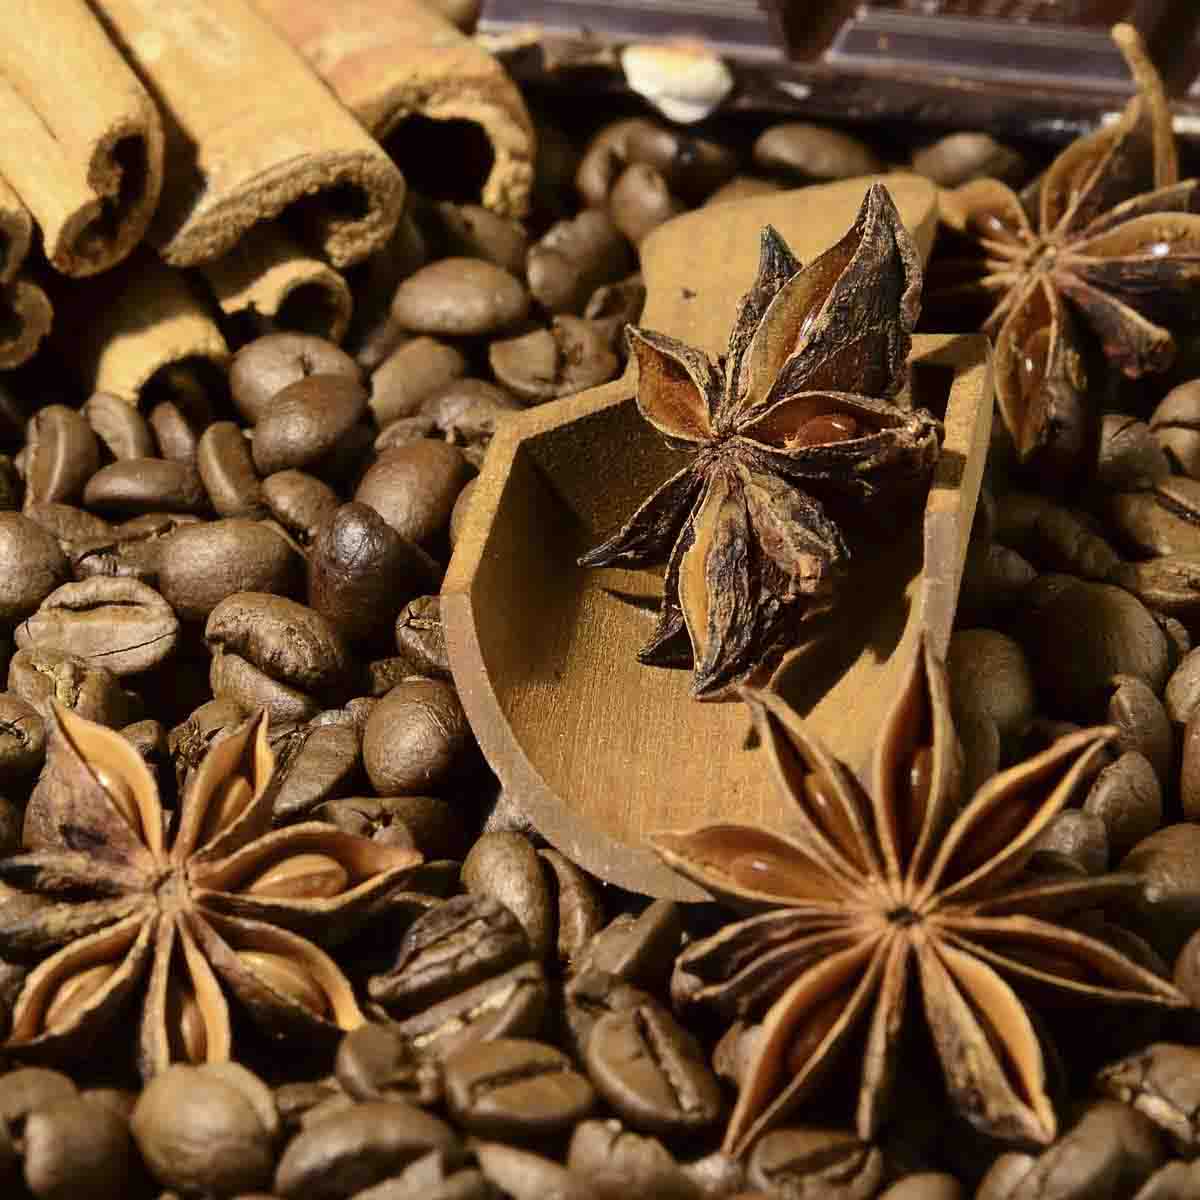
876,898
228,906
1106,244
799,408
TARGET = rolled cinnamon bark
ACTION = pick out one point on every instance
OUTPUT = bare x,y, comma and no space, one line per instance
81,142
267,273
398,65
137,327
16,232
251,131
25,318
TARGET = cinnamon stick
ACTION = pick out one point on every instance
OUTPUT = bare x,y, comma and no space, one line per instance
251,131
390,61
129,328
16,232
25,318
81,142
268,274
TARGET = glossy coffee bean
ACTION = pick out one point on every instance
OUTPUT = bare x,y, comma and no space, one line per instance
173,432
458,296
39,675
119,426
813,152
412,373
141,485
413,488
313,764
227,471
641,201
61,455
32,565
299,502
78,1149
22,740
472,231
264,367
505,867
306,421
575,257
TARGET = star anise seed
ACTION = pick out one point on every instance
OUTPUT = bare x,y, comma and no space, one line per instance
226,908
874,897
801,407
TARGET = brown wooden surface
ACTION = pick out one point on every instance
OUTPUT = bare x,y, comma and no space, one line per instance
596,749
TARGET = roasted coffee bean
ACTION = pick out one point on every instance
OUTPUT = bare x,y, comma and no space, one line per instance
1130,460
618,1163
299,502
579,915
641,201
451,948
961,157
227,471
314,764
413,488
306,420
1174,1181
1181,699
231,677
1078,635
652,1071
466,411
569,357
234,1109
639,950
1079,836
1163,1083
429,823
1164,520
506,867
173,433
140,485
374,1062
22,740
417,738
361,573
203,565
333,1158
515,1089
421,638
472,231
926,1185
69,524
1127,798
290,641
122,623
1142,722
523,1175
1167,908
830,1163
61,455
78,1149
1052,537
293,1101
990,676
591,995
38,676
27,1089
32,565
813,152
1175,423
459,296
512,1004
575,257
262,369
190,740
119,426
412,373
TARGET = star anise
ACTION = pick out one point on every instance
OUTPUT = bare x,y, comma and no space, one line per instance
874,898
800,406
226,906
1106,240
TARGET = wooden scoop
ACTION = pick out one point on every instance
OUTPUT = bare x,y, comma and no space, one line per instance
594,748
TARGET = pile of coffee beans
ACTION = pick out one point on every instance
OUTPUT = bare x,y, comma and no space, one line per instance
276,537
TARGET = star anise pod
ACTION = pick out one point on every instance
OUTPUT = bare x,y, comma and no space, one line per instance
1100,250
800,409
226,908
873,900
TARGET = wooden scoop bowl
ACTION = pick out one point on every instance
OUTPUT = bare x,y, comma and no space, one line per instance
594,748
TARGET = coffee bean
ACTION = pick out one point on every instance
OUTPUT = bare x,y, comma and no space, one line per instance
68,524
1127,798
1130,460
1164,520
61,455
925,1185
592,995
122,623
467,411
570,356
417,738
262,369
523,1175
515,1089
31,566
314,763
1161,1083
203,565
652,1071
512,1004
361,573
575,257
427,822
829,1163
119,426
575,903
640,201
990,676
1052,537
413,488
173,433
1079,836
139,485
374,1062
412,373
234,1109
344,1153
618,1163
78,1149
1175,424
472,231
459,296
1167,909
299,502
639,950
40,675
961,157
506,867
22,740
231,677
306,420
293,1101
448,950
227,471
813,152
421,638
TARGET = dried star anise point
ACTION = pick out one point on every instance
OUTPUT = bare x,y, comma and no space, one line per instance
868,892
799,410
225,909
